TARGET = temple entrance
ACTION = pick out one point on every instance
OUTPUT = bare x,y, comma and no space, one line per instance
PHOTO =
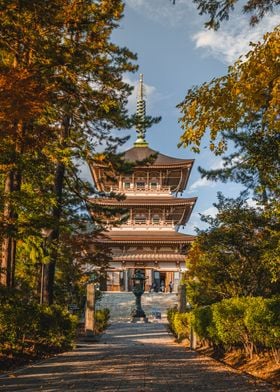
156,281
162,287
159,282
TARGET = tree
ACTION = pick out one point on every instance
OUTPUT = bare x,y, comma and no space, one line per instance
230,258
67,49
219,10
22,100
241,107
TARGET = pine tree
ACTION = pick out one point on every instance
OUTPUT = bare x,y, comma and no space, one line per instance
68,51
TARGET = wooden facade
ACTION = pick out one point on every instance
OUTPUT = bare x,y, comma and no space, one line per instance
149,239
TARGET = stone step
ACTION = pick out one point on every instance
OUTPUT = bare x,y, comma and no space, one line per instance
121,304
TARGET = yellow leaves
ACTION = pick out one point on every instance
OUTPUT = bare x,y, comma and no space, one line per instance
192,109
248,92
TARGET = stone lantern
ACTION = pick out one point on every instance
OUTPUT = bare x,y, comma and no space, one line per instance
138,290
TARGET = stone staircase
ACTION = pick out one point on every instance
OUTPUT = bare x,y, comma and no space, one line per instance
121,303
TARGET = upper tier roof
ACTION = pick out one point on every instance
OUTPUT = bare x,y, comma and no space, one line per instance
136,154
146,201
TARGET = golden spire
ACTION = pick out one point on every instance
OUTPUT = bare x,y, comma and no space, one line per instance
141,114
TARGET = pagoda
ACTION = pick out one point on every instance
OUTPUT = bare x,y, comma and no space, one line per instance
149,240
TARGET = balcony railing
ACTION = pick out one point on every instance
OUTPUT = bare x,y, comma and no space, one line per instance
137,188
143,222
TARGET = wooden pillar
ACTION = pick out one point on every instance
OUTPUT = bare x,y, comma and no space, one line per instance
125,273
148,283
90,310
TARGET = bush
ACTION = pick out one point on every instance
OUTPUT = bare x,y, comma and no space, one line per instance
101,319
27,326
56,327
262,319
228,324
181,326
201,320
178,323
171,312
249,322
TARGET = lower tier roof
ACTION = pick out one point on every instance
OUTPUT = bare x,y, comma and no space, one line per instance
151,257
142,237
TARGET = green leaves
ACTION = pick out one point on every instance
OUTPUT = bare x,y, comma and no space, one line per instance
219,10
230,258
62,95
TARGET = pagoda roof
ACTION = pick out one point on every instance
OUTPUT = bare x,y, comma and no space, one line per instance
142,237
147,201
138,154
138,257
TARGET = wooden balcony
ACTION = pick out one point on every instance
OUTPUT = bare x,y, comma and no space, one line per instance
144,188
146,222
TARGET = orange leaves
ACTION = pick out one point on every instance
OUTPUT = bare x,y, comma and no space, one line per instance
21,96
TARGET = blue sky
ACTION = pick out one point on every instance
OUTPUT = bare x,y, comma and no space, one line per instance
175,52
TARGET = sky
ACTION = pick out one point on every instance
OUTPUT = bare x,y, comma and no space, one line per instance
175,53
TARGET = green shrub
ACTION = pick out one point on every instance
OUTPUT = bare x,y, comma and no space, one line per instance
229,324
181,325
171,312
249,322
101,319
262,319
29,326
253,322
202,321
56,327
178,323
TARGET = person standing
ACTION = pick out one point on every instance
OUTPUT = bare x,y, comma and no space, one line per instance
170,286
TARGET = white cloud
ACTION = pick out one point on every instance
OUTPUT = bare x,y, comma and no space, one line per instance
234,37
201,183
218,164
252,203
212,211
164,12
195,221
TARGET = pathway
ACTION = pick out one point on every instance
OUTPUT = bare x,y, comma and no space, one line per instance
131,358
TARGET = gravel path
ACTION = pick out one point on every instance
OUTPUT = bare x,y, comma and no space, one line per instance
135,358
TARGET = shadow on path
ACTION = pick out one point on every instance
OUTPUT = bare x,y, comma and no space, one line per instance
131,357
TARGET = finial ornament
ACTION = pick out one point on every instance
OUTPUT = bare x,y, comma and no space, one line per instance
141,114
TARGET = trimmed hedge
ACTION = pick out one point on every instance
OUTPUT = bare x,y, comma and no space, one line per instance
250,323
178,323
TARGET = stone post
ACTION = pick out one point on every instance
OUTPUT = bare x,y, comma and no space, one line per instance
182,298
192,339
90,310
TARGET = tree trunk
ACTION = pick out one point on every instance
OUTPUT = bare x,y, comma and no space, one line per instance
8,242
49,272
49,269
